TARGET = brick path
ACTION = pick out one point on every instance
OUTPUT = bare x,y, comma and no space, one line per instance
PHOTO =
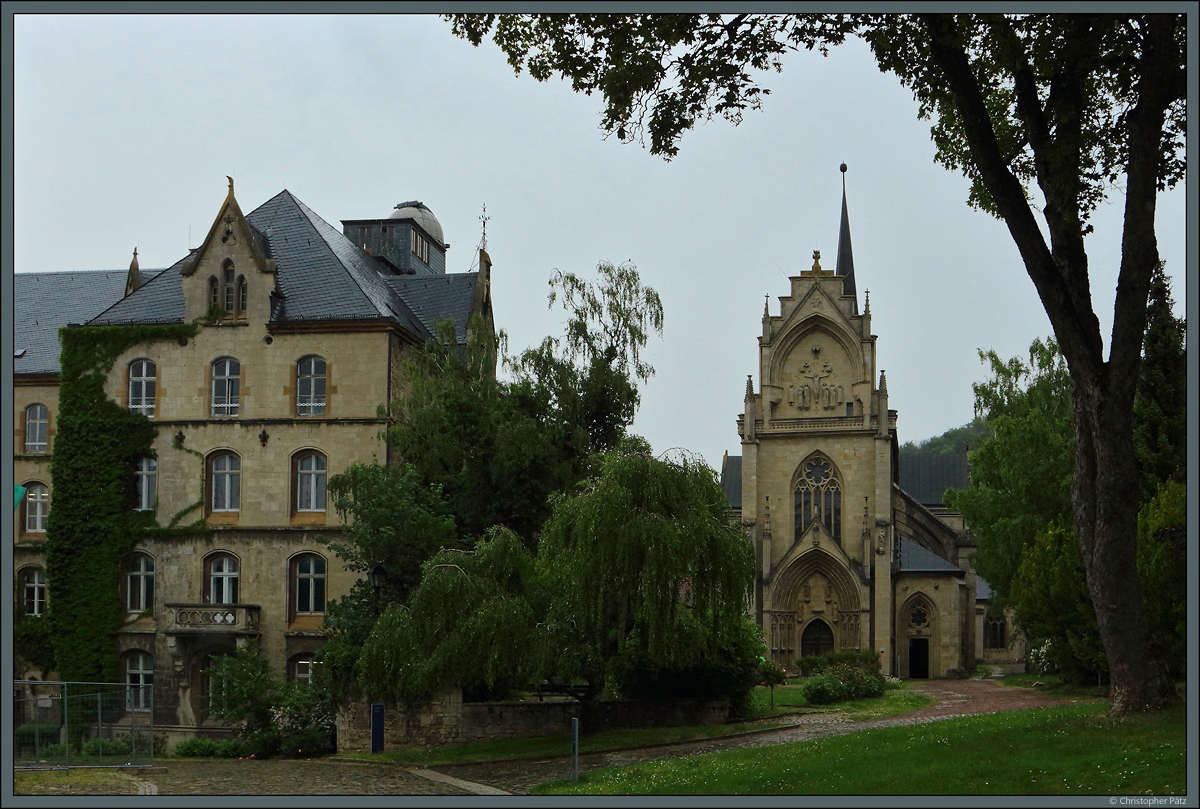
334,777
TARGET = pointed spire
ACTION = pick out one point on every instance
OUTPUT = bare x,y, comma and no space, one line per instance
134,279
749,386
883,382
766,306
867,304
845,255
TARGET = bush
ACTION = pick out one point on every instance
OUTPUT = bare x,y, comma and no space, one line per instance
31,732
771,674
105,747
210,748
841,682
859,658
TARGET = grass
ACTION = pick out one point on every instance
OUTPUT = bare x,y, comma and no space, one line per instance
73,782
1070,750
788,699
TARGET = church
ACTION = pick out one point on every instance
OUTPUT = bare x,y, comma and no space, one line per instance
850,554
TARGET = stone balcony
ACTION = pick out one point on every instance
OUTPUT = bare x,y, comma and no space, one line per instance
207,619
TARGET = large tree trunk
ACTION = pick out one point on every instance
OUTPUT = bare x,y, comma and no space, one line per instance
1105,487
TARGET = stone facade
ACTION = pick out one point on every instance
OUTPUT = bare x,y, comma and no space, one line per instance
847,559
284,387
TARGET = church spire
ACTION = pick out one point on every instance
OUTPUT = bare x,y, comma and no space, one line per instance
133,280
845,255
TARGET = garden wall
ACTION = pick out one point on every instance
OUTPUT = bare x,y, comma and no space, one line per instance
447,720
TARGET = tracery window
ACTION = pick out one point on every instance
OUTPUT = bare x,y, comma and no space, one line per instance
994,632
818,498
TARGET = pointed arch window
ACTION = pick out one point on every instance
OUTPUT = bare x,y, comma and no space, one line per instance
214,292
818,497
995,632
228,288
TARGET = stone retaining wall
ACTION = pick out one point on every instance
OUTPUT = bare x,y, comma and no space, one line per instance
447,720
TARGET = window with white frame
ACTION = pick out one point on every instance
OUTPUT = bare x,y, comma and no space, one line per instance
241,293
37,508
310,481
303,668
309,587
226,376
142,387
33,590
139,679
37,424
228,286
226,478
140,583
222,579
310,386
146,477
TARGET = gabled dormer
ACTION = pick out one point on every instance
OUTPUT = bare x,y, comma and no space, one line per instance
232,273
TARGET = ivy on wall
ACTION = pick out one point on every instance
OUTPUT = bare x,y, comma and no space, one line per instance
92,524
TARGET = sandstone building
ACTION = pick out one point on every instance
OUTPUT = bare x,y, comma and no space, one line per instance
848,557
284,388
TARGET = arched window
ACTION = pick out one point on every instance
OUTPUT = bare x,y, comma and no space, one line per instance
241,293
214,292
139,583
226,479
139,679
227,285
221,571
37,507
226,376
142,388
37,425
310,386
817,639
818,498
309,477
308,577
32,583
146,475
994,632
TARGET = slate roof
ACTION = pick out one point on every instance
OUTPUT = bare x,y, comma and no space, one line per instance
983,590
320,275
916,559
926,477
44,302
437,297
731,480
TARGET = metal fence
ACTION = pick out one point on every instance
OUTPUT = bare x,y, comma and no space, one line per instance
58,724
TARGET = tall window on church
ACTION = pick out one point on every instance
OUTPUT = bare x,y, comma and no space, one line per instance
227,285
818,498
994,632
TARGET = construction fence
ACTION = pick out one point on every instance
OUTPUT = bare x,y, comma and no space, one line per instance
59,724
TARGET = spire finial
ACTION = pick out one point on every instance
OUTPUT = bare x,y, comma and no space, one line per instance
845,254
230,179
749,385
766,306
816,260
484,218
883,381
867,304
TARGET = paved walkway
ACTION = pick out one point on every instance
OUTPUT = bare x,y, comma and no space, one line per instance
336,777
954,698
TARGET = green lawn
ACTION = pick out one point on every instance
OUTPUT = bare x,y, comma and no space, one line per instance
73,782
1072,750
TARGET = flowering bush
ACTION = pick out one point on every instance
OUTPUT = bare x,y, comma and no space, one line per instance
841,682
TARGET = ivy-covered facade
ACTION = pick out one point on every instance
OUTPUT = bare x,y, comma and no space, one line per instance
174,446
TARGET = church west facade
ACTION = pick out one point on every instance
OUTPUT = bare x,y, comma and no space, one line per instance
846,557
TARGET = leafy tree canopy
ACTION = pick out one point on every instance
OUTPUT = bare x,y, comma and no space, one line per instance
642,566
1073,103
954,440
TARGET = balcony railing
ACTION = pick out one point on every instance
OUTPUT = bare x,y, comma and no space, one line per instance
236,618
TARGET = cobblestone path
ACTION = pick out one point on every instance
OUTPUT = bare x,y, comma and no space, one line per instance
954,698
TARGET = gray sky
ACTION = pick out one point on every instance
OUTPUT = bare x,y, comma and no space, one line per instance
125,127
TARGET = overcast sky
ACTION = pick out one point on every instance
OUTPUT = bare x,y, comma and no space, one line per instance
125,127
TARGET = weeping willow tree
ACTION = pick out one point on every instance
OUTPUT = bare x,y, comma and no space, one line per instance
641,572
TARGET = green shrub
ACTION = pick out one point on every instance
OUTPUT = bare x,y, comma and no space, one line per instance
54,751
211,748
841,682
43,732
859,658
105,747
